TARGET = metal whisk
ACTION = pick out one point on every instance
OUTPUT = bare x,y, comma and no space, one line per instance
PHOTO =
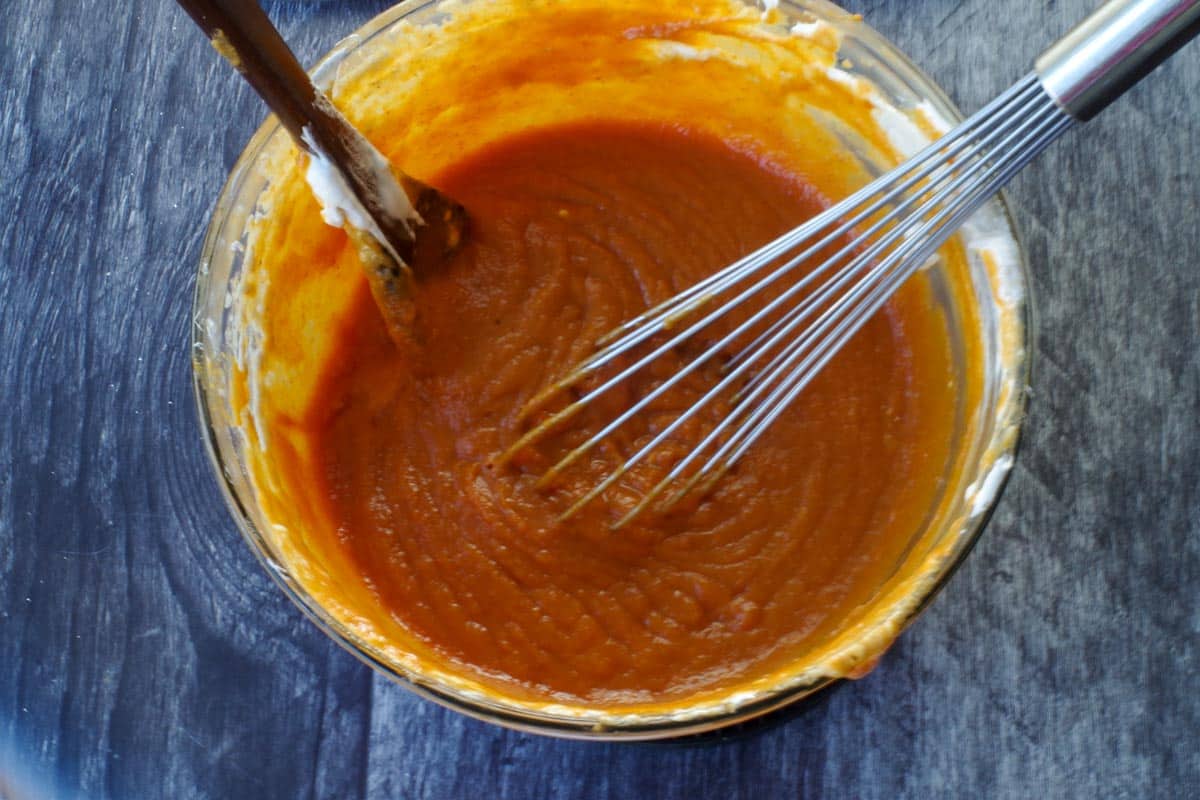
880,235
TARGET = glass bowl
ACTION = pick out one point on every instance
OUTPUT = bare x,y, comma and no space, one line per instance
986,433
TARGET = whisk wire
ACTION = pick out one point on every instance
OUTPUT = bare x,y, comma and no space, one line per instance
786,392
647,319
659,318
878,247
744,267
898,221
944,164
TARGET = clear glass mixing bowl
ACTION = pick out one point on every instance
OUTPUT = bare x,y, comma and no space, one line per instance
986,434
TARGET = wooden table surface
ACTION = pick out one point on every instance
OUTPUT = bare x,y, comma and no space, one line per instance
144,653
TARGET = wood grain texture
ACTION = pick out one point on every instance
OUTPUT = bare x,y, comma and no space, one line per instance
144,654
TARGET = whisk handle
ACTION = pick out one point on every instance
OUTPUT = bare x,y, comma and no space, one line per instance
1113,49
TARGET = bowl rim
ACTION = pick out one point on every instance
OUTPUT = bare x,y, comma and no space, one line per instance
527,719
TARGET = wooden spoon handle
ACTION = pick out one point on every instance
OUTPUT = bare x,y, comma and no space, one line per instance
241,32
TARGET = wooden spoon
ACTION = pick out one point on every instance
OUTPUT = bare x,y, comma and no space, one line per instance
398,224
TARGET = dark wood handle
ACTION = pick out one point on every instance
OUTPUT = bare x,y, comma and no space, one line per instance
242,32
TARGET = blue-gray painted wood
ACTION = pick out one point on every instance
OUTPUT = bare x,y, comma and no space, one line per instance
143,653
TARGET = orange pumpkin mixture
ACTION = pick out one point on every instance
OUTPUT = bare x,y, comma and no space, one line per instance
575,229
588,203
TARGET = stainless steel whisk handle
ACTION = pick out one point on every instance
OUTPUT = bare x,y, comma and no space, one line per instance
1112,50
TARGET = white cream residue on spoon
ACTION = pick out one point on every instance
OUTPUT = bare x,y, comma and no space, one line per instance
339,204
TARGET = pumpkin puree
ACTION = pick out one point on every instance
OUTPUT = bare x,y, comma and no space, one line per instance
588,203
